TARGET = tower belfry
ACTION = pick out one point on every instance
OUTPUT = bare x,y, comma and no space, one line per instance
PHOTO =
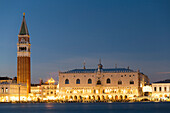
23,56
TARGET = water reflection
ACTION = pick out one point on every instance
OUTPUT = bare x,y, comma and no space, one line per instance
49,105
86,108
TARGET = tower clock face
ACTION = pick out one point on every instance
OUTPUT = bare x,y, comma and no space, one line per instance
22,39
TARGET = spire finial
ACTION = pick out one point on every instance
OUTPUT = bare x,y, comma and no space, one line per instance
115,65
100,61
84,63
23,29
100,66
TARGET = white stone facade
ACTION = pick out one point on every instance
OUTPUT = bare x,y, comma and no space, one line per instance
161,90
116,84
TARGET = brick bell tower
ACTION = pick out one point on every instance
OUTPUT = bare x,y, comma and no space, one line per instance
23,56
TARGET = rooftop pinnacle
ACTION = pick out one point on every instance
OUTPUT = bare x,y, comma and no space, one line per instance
23,29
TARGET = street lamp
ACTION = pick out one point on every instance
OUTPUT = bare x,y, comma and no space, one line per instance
19,92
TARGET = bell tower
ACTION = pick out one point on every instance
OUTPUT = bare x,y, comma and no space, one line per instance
23,56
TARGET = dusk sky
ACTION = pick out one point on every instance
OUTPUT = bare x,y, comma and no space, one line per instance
64,33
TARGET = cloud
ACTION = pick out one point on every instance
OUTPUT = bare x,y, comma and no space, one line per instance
163,72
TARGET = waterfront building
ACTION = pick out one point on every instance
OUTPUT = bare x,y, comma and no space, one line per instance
23,56
50,90
35,94
147,90
101,84
161,90
44,91
11,91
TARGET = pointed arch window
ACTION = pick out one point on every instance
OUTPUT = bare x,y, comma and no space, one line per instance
108,81
119,82
89,81
78,81
131,82
66,81
98,82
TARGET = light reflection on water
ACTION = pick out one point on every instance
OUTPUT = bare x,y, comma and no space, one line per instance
49,106
147,107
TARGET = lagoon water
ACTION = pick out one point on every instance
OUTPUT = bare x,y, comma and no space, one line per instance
144,107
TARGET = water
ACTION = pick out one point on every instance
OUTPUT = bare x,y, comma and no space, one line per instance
145,107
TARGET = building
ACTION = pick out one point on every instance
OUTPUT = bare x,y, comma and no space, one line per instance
44,91
101,84
161,90
23,56
11,91
5,80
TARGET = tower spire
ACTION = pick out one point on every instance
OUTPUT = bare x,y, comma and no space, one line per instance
100,61
84,63
24,56
23,29
100,66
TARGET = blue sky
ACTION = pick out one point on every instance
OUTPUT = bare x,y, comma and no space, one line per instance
64,33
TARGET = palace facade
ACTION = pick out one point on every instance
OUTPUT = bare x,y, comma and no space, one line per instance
101,84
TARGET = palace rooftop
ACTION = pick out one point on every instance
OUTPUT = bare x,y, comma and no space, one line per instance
111,70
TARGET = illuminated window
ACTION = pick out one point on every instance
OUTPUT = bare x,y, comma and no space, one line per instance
108,81
131,82
119,82
78,81
89,81
66,81
6,90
